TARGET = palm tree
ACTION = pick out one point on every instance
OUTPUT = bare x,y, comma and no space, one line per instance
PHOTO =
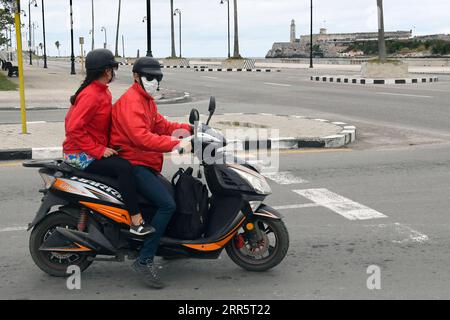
381,37
117,33
173,54
236,32
57,44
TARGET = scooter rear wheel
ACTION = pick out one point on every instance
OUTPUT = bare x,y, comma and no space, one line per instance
266,253
54,263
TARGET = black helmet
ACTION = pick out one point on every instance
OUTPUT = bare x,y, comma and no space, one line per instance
100,59
148,67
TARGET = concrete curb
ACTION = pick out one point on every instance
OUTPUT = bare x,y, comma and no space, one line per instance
434,73
233,70
349,80
185,98
208,69
345,137
177,67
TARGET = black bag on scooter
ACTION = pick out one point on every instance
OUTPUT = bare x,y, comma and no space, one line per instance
191,197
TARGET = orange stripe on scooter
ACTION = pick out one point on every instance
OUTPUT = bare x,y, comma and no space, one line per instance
79,249
216,245
116,214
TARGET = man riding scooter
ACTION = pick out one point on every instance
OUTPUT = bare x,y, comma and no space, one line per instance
143,135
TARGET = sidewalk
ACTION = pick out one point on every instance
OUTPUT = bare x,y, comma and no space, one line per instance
44,139
51,89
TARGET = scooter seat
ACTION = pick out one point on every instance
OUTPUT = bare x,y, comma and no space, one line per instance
114,183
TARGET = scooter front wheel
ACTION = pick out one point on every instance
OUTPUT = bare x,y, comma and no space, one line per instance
262,248
55,263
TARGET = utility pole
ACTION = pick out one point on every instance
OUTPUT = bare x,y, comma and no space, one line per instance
149,30
72,57
311,65
381,39
172,31
117,32
93,27
43,28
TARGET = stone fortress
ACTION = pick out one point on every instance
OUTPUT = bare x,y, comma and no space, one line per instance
326,44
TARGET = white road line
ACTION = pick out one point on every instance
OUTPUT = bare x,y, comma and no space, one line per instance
278,84
343,206
412,235
297,206
213,78
283,177
407,233
36,122
9,229
405,95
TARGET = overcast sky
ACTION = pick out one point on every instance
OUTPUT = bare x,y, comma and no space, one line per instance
204,22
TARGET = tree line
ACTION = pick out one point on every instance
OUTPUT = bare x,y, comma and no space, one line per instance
435,46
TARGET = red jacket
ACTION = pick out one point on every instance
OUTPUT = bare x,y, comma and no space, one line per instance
88,121
142,133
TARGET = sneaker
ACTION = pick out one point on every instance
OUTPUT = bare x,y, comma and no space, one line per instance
149,273
142,230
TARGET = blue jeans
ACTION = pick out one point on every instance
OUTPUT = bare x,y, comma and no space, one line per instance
152,189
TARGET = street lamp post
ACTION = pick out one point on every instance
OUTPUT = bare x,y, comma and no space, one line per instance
311,65
72,57
178,11
29,29
34,26
43,28
106,39
117,32
228,8
148,18
172,31
10,43
123,47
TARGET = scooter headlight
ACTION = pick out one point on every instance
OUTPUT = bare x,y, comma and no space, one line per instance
258,182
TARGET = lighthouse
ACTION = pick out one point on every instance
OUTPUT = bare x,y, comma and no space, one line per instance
293,31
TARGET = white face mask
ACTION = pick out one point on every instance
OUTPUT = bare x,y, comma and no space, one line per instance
150,86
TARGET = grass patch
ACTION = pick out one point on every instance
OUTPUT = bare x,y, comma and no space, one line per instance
5,84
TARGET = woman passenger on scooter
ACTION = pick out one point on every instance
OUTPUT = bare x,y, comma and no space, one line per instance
144,135
87,127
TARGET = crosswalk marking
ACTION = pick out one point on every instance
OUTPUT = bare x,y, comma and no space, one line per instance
284,177
339,204
297,206
9,229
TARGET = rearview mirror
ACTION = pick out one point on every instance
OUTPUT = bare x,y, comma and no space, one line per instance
212,105
211,109
194,116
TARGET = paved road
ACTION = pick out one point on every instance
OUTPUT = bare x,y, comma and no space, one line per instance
396,174
329,253
387,116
